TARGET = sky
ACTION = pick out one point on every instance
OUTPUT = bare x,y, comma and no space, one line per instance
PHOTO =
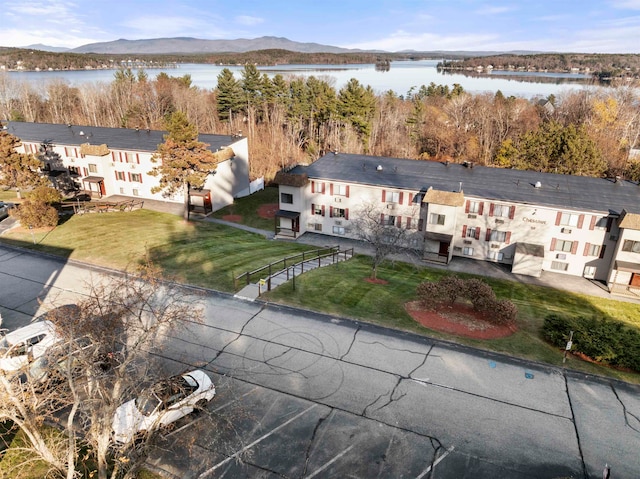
587,26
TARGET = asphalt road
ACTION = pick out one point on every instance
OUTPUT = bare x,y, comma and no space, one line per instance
302,394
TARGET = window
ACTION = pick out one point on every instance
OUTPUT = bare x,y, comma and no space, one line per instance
74,171
589,271
136,177
631,246
559,266
562,245
471,232
498,236
593,249
338,230
436,219
135,192
338,213
122,191
120,175
467,251
340,190
389,220
131,158
567,219
318,210
496,255
501,211
286,198
474,207
93,168
393,197
318,187
317,227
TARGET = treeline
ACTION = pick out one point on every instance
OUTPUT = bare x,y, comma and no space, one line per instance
293,119
601,64
30,59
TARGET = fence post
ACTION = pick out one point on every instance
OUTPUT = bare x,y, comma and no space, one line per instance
269,285
294,278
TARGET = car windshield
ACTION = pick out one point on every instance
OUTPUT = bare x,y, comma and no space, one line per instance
147,403
39,368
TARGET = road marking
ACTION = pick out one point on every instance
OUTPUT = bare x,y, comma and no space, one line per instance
249,446
327,464
191,423
428,469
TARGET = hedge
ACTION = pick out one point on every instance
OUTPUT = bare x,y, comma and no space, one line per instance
604,340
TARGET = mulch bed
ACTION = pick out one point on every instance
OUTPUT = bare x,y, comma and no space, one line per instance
458,319
268,211
234,218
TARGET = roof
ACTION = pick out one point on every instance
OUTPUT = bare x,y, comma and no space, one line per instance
498,184
448,198
117,138
629,221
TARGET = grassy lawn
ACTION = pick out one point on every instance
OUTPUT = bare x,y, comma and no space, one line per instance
246,207
211,255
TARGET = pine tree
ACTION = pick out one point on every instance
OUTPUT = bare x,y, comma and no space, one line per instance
18,170
229,94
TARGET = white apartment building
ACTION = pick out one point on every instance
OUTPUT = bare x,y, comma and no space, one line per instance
116,161
532,221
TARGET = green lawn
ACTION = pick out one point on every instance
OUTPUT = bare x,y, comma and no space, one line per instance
211,255
246,207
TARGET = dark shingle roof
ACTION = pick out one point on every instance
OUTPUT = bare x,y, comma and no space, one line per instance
117,138
509,185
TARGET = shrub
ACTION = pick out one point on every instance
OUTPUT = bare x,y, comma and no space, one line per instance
36,214
504,312
45,194
451,287
480,294
428,294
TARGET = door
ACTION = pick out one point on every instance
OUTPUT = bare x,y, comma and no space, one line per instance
444,249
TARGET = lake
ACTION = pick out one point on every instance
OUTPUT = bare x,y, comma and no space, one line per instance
400,78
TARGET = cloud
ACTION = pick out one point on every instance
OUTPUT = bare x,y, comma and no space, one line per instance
248,20
402,40
154,26
492,10
626,4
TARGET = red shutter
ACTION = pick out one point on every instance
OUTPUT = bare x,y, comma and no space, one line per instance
313,187
140,176
602,251
467,206
464,231
481,208
330,211
313,208
346,213
491,206
512,212
66,151
399,221
347,192
574,247
592,225
331,189
322,210
86,172
553,245
381,218
129,174
558,218
409,223
401,198
113,156
75,153
488,237
507,240
137,158
477,232
120,155
410,198
580,221
384,196
586,249
116,173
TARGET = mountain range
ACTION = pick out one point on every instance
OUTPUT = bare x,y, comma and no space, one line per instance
186,45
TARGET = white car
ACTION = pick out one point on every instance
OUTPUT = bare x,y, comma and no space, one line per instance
162,404
22,346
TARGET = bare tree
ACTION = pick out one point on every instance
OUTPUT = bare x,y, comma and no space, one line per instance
383,232
106,356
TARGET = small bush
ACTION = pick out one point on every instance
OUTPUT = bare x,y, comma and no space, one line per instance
504,312
428,294
480,294
450,288
35,214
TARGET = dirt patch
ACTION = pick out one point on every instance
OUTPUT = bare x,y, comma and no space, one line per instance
458,319
22,229
376,281
268,211
234,218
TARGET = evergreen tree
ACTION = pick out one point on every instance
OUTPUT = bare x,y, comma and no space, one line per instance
229,95
357,106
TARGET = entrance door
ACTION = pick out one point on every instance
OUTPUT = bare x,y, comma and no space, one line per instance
444,249
635,280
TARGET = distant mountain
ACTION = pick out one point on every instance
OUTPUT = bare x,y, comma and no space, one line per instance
186,45
46,48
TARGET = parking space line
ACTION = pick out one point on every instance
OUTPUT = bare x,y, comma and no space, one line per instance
249,446
437,461
327,464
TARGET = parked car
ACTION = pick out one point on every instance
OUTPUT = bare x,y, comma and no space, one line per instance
162,404
4,209
20,347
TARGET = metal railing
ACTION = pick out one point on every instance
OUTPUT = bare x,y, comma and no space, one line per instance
289,263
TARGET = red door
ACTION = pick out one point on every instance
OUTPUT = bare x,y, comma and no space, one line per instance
444,249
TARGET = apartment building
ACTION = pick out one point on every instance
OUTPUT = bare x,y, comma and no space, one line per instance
116,161
531,221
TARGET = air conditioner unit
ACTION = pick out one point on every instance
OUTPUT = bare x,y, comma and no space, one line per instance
499,222
72,160
391,206
495,246
566,230
561,256
338,200
112,165
133,166
472,216
338,222
467,241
